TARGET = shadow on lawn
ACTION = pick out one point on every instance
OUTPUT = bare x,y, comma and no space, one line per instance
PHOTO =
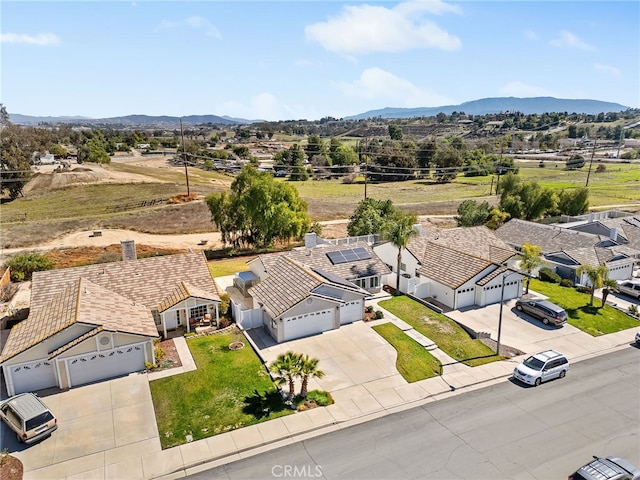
588,309
261,405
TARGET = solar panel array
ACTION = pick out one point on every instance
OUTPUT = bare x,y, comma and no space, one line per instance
348,255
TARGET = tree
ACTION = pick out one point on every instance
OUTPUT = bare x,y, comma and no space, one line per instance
395,132
399,231
286,367
258,211
24,264
575,162
530,260
596,275
573,202
472,213
448,161
496,218
608,285
370,217
308,368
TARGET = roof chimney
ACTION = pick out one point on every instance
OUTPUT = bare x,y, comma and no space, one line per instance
128,250
310,240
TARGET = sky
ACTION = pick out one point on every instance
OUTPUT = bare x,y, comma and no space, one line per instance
305,59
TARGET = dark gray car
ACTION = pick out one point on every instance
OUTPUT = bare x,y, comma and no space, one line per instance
548,312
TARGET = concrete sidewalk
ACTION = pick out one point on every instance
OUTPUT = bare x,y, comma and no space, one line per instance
355,404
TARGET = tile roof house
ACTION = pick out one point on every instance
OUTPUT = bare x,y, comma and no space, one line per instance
458,267
566,249
98,321
298,300
313,288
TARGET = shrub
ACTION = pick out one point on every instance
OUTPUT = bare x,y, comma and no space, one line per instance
565,282
8,291
633,310
368,309
379,314
108,257
225,301
159,353
24,264
321,397
583,289
547,275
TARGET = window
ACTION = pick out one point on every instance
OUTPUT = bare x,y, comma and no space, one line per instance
375,282
403,267
198,312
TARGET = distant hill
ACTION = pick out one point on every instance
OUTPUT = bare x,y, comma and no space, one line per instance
484,106
131,120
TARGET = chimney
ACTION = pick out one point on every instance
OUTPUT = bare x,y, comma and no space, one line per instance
128,250
613,234
310,240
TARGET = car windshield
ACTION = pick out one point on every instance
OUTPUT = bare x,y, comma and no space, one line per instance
534,363
41,419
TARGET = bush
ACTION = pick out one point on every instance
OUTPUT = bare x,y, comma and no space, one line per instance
159,353
547,275
8,291
565,282
321,397
633,310
368,309
225,302
109,257
379,314
583,289
23,265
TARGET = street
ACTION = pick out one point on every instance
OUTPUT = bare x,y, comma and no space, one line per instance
505,431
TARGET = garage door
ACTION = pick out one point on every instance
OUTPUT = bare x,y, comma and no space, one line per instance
465,297
307,324
511,290
32,376
107,364
351,312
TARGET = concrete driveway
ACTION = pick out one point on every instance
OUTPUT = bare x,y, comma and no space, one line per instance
103,428
526,333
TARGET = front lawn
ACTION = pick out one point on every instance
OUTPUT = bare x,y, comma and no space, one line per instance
414,362
594,320
230,389
450,337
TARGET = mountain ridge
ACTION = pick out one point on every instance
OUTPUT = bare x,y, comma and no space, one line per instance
483,106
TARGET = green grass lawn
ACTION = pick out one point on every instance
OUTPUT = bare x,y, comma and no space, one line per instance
447,334
230,266
413,362
229,390
594,320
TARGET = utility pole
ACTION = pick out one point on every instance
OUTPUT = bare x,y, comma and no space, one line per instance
184,159
593,152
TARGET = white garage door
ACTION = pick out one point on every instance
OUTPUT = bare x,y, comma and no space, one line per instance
465,297
108,364
32,376
510,291
351,312
307,324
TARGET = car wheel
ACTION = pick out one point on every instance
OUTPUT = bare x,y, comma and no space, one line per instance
545,321
562,373
519,308
538,381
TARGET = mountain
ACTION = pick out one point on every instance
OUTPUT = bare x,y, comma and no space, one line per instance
484,106
129,120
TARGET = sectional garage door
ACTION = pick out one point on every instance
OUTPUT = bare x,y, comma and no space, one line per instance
107,364
307,324
32,376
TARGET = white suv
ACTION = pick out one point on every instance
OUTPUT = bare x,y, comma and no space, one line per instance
541,367
29,417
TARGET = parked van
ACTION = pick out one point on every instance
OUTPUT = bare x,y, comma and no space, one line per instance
548,312
541,367
29,417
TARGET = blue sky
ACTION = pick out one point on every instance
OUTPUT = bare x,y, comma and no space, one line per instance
279,60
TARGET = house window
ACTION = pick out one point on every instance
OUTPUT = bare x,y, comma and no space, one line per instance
403,267
178,317
375,282
198,312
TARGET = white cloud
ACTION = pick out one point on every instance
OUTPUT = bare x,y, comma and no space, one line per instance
42,39
608,69
531,35
569,40
521,89
264,106
194,22
373,28
382,86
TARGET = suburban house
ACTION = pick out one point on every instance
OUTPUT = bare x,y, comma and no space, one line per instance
96,322
458,267
297,300
565,250
623,228
332,282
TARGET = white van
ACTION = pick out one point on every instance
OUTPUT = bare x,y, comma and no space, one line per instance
29,417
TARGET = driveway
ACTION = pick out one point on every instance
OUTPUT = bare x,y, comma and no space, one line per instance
102,428
524,332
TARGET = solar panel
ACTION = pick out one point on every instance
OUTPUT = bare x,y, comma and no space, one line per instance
348,255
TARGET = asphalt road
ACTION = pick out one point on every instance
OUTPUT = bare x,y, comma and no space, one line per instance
506,431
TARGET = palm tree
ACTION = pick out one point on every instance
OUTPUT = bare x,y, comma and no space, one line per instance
286,367
596,275
308,368
530,260
399,231
608,285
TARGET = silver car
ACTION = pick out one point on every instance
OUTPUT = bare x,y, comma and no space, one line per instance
630,288
541,367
